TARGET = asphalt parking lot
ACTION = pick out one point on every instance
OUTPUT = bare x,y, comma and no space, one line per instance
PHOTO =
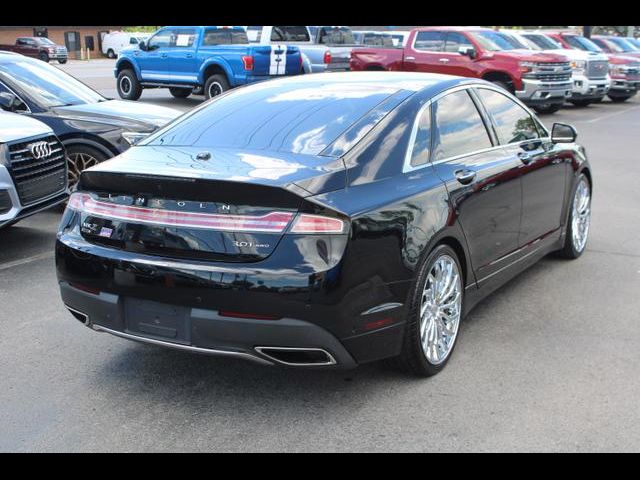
550,362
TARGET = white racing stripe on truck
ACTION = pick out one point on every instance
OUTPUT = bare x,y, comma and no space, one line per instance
278,62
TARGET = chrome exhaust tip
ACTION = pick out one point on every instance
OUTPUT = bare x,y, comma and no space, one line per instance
298,357
82,317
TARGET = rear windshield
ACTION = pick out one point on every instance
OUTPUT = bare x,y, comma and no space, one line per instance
298,119
336,36
224,36
290,34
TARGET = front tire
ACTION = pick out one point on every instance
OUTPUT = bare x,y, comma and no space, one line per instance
548,109
62,61
582,103
44,57
180,92
435,313
575,241
215,85
79,158
129,87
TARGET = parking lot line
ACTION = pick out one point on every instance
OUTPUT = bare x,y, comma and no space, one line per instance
603,117
22,261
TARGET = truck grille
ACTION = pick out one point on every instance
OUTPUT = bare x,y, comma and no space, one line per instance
38,168
61,51
552,71
597,69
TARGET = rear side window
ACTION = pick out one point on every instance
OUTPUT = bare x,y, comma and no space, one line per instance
458,127
513,123
290,34
430,41
422,144
217,36
183,38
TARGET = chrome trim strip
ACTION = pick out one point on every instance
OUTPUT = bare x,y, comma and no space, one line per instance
382,307
177,346
332,361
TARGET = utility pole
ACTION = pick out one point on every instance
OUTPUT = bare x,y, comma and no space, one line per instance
586,32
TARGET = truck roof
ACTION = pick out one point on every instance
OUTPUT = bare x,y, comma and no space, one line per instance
456,29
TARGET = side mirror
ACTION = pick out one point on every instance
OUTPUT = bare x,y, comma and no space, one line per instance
8,101
142,45
133,138
563,133
467,52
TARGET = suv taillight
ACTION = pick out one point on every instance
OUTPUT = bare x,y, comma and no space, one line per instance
247,61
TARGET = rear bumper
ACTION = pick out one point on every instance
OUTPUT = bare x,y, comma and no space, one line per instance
114,292
536,92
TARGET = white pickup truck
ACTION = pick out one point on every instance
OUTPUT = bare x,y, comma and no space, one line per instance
589,70
323,48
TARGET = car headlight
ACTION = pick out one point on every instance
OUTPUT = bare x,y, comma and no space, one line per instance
578,65
618,70
526,67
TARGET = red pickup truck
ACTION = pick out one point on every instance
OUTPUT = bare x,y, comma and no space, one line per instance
38,47
540,80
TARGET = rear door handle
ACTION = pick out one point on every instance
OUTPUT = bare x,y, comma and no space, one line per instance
465,177
444,60
409,58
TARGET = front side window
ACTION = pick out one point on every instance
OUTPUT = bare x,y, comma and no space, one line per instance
422,144
513,123
458,127
133,41
429,41
542,42
290,34
160,40
455,41
581,43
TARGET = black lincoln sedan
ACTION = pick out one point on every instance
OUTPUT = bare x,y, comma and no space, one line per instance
89,125
323,221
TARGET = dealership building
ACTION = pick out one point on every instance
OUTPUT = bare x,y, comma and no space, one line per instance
74,38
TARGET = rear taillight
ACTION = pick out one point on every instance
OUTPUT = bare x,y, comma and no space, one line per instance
327,57
247,61
272,222
306,223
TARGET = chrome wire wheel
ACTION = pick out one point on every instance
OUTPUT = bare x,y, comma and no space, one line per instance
77,162
581,215
440,309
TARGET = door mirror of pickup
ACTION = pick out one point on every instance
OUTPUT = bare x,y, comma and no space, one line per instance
8,101
142,46
467,52
563,133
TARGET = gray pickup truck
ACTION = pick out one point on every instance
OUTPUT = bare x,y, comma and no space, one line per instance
323,48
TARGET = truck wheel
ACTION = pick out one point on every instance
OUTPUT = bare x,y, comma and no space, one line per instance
62,61
553,108
111,53
501,85
180,92
215,85
129,87
43,56
620,99
582,103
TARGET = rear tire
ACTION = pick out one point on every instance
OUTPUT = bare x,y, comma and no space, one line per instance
426,325
582,103
129,87
44,57
547,109
180,92
620,99
575,241
215,85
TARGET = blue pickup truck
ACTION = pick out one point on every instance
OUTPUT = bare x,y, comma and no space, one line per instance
208,60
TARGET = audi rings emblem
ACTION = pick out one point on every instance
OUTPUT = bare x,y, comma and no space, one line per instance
40,150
